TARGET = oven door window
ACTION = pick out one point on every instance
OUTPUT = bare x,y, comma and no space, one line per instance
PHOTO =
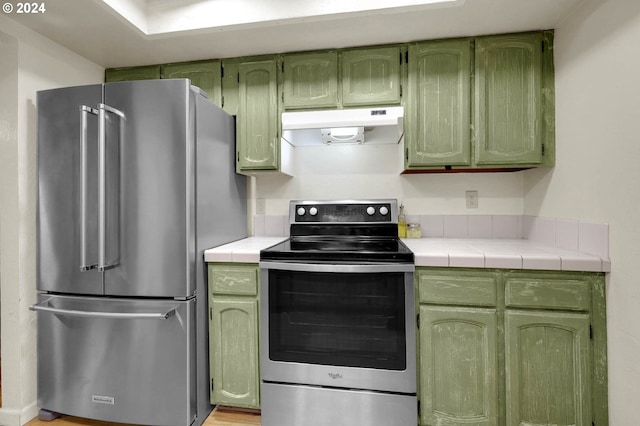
342,319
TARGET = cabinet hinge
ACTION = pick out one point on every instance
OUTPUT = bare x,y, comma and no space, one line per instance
418,408
238,157
238,78
400,58
211,384
591,332
222,101
543,150
418,320
211,313
406,154
542,43
282,97
406,57
222,71
401,90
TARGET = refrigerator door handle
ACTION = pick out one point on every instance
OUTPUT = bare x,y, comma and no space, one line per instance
85,265
44,307
103,109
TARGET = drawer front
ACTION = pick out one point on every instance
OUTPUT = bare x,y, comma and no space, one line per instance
548,293
233,279
455,290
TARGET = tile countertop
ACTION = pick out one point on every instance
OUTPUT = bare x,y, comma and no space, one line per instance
449,252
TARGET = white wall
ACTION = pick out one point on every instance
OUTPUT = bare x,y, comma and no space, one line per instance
32,63
361,171
596,178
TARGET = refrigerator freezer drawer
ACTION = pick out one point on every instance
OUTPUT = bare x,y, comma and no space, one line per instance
118,360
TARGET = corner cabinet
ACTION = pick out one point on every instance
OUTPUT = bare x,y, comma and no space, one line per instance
506,347
233,334
204,74
132,73
258,121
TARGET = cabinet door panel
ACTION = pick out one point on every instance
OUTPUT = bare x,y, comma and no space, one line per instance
258,142
310,80
458,378
151,72
508,99
371,76
234,352
205,75
439,127
548,364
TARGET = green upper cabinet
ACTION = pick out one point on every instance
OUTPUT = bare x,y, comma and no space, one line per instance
508,90
548,358
371,76
258,140
311,80
438,129
134,73
205,74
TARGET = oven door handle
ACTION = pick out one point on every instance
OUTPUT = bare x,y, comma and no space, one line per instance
339,268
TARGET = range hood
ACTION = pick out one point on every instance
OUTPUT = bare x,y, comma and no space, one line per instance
382,125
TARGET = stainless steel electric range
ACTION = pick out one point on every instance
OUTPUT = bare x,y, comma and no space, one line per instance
337,331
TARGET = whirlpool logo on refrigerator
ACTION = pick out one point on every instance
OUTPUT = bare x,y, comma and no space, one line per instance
335,376
101,399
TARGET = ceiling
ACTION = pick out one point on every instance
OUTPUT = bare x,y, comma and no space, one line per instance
115,33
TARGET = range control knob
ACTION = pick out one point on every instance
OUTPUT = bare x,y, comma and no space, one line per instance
301,211
371,211
384,211
313,211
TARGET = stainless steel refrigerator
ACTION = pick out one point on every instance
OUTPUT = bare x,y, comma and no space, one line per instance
135,181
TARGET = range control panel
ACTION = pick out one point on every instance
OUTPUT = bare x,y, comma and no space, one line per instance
373,211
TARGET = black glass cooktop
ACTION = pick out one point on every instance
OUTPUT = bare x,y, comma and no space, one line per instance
339,249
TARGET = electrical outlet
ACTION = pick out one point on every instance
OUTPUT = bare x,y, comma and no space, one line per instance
260,206
472,199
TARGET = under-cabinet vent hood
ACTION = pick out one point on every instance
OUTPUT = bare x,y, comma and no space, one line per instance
383,125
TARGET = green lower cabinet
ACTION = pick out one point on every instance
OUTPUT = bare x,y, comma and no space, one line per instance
233,335
511,347
548,366
458,378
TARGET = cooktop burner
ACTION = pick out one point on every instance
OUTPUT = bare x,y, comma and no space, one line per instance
341,231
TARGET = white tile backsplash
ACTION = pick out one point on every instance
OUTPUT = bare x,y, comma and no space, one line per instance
593,238
432,226
584,237
567,234
505,227
455,226
479,226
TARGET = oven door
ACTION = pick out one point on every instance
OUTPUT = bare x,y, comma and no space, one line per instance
340,325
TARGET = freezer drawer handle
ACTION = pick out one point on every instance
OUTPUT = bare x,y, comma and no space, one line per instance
112,315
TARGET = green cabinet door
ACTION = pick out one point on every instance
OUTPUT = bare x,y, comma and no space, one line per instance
458,366
258,142
548,371
438,128
134,73
508,103
205,74
371,76
311,80
234,351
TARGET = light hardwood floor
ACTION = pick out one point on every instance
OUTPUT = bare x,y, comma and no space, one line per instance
219,417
